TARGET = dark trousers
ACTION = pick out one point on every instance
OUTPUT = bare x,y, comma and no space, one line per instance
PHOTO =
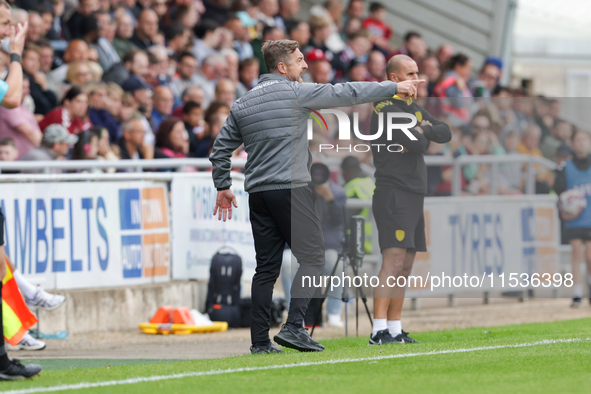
279,217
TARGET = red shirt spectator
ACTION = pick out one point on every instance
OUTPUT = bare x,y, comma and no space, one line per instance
73,114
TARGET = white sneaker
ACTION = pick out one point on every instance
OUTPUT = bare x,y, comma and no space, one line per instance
27,343
335,321
45,300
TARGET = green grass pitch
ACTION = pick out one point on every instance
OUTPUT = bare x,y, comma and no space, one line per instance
452,367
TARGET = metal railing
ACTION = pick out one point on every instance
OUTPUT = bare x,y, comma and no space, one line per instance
50,168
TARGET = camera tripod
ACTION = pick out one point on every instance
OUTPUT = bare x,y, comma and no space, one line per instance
345,297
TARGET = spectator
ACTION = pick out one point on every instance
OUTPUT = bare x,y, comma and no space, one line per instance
199,136
72,114
185,77
216,10
77,51
358,71
267,11
380,32
172,140
529,146
225,91
355,10
444,53
20,126
8,151
87,146
192,93
488,78
300,32
98,113
55,145
58,30
233,62
163,102
332,10
319,68
270,33
215,116
559,134
248,71
453,87
131,141
45,56
207,39
242,38
113,100
45,100
79,73
510,174
430,66
34,33
358,47
146,30
213,68
159,65
177,38
376,66
107,55
76,21
122,41
105,151
319,32
142,96
288,9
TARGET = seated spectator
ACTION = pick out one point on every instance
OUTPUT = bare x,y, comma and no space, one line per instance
215,116
146,30
453,87
375,23
185,74
430,66
529,146
8,152
376,65
358,47
79,73
270,33
172,140
199,136
131,142
55,145
122,41
560,134
77,51
319,33
76,21
163,102
248,71
87,146
225,91
242,38
357,71
213,68
414,46
105,149
488,78
300,32
58,30
318,66
192,93
177,38
288,9
510,174
207,39
72,114
114,104
45,100
20,126
98,113
332,10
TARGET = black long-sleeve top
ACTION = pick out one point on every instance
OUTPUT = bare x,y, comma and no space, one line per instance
405,170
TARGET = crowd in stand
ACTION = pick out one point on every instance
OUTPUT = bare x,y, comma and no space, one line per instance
142,79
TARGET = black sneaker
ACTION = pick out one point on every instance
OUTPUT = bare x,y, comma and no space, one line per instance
576,302
18,371
297,339
270,348
404,338
382,337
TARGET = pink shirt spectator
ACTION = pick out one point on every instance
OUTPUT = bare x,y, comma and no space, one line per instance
10,120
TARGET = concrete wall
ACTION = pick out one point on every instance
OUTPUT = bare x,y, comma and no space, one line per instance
119,309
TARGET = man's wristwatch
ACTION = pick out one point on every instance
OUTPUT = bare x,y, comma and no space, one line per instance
15,58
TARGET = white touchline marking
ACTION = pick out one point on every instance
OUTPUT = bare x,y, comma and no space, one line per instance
87,385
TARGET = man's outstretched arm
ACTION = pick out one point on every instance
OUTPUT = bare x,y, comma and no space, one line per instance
359,92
